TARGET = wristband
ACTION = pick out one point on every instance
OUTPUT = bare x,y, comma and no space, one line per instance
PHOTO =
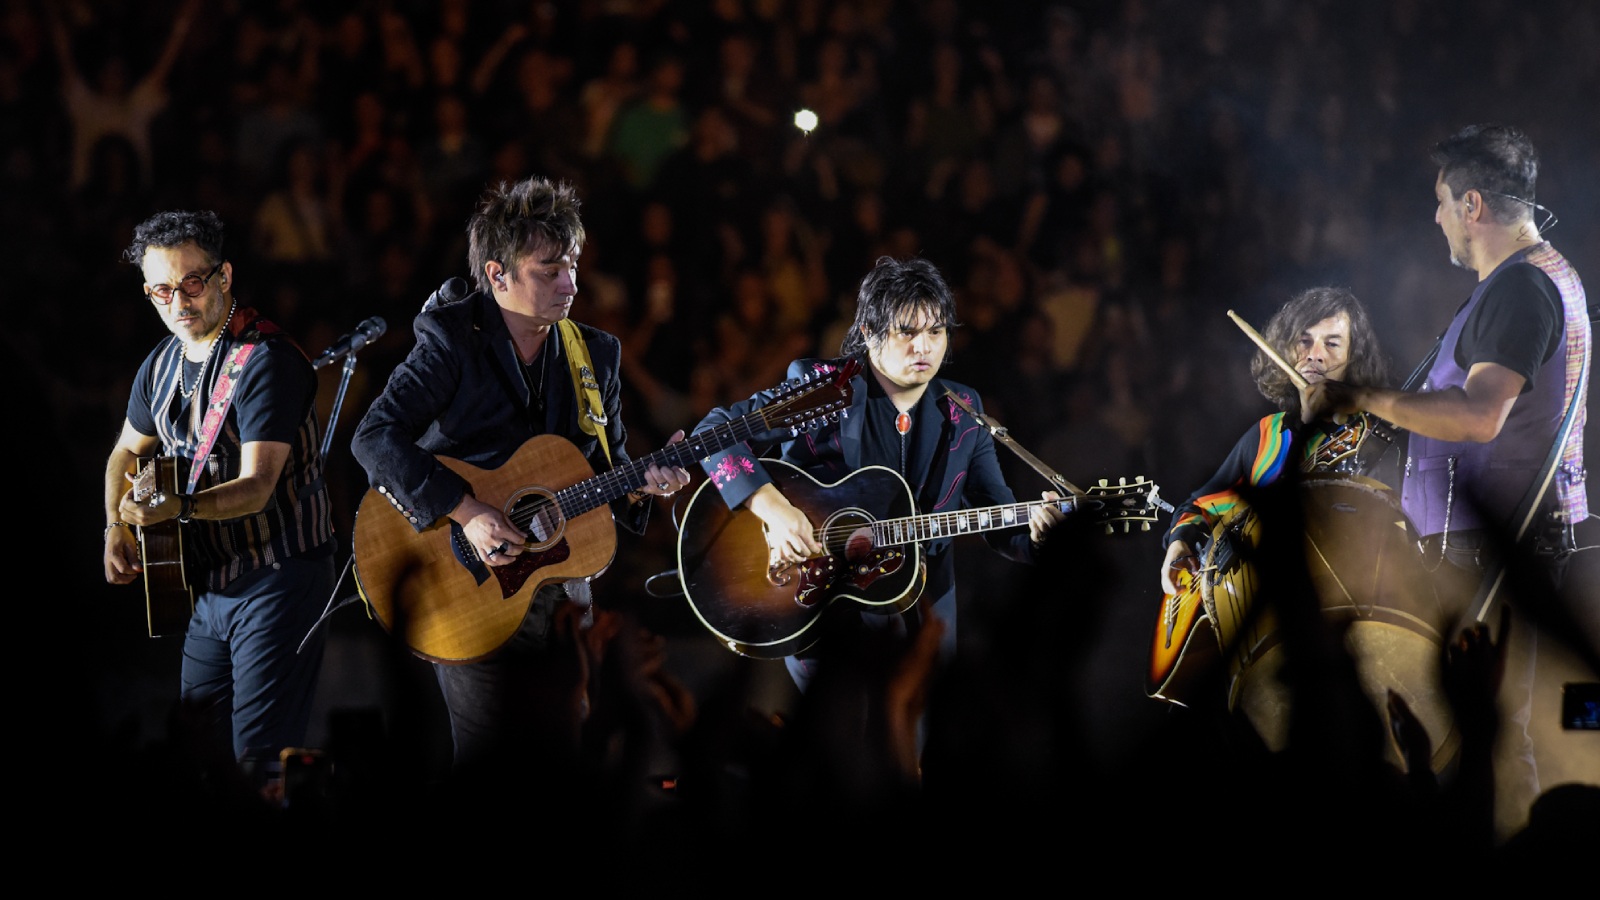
186,507
114,525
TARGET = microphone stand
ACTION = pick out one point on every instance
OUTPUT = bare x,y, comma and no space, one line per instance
345,373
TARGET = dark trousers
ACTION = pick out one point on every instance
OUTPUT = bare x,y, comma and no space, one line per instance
520,704
243,664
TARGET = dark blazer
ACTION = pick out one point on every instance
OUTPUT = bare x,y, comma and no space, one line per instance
952,467
460,393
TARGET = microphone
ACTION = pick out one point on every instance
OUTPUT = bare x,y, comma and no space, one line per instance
365,333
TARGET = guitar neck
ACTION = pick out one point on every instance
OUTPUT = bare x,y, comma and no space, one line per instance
911,529
602,489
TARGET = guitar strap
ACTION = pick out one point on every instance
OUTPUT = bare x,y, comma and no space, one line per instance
592,420
1490,584
591,409
221,398
999,433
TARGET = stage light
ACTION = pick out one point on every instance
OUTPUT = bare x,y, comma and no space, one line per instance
805,120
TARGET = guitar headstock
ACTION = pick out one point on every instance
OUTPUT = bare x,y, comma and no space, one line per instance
1341,443
144,483
156,476
807,402
1126,502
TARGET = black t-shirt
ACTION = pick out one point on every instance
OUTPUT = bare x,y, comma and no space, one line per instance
1518,323
269,402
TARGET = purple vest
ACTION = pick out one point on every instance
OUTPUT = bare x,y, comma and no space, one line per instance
1455,486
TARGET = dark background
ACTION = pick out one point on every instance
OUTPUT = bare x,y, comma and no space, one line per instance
1101,182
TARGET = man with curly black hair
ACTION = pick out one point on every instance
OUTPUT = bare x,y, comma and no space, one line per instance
221,442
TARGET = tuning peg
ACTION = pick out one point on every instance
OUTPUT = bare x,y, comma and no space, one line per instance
1103,482
1144,526
1111,529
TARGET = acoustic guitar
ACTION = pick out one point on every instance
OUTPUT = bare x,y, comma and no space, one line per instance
168,598
433,591
871,532
1184,643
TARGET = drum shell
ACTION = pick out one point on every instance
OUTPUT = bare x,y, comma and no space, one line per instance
1369,579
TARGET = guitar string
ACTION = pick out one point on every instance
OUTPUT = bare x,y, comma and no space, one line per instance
612,484
947,520
909,523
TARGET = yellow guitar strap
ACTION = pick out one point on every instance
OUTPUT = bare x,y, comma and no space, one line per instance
591,409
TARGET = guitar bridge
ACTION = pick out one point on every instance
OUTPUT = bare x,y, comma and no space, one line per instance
467,555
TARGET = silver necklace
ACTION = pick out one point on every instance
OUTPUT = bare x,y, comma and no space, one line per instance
205,364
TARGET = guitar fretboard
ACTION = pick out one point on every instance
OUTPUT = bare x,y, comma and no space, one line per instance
794,412
967,521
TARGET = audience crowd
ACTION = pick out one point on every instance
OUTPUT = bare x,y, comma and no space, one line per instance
1100,182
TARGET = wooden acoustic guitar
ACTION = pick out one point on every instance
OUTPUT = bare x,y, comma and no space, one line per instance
168,598
433,591
869,526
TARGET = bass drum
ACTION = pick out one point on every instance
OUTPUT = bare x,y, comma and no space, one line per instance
1369,579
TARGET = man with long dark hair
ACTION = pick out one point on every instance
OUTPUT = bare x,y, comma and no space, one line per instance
1324,333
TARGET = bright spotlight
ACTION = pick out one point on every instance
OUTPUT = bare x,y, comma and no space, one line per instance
805,120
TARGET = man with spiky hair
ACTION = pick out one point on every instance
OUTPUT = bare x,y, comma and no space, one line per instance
492,369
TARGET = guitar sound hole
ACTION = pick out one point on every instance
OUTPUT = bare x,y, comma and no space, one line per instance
859,544
537,515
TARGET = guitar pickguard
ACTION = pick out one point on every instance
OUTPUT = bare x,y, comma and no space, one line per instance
513,575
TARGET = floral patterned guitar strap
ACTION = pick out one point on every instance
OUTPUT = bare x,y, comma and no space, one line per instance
222,395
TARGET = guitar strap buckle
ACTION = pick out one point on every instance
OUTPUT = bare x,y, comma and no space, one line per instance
579,592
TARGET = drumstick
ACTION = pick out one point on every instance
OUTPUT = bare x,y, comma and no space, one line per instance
1295,378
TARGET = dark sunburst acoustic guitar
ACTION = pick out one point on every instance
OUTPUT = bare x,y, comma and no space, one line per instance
869,527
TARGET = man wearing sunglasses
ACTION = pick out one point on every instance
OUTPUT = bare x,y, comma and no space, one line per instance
226,404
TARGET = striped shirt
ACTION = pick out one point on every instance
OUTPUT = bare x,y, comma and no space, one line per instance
273,400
